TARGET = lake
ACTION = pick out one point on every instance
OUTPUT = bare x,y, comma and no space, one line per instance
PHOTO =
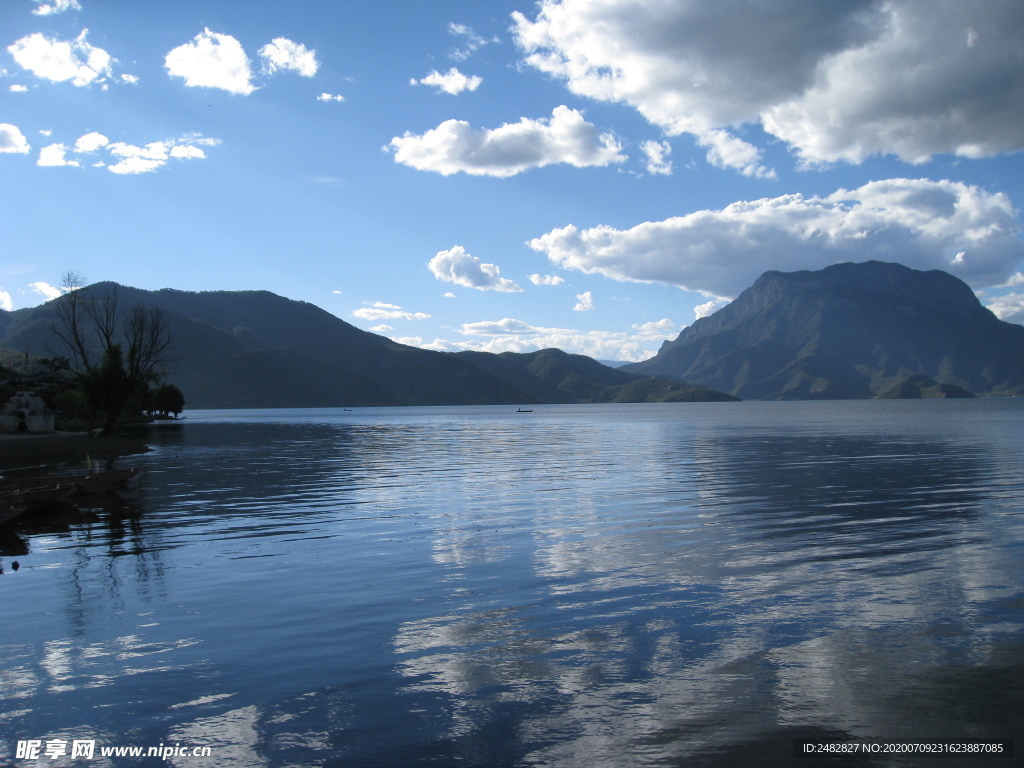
607,585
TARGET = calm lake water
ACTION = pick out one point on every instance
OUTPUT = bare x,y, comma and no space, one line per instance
610,585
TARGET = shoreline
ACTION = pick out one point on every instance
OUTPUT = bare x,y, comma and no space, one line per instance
22,451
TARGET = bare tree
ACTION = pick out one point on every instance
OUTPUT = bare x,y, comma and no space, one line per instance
116,356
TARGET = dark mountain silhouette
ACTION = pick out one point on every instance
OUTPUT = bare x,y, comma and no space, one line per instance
554,376
847,331
254,349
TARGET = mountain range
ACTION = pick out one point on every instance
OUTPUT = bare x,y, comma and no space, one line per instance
254,349
851,330
870,329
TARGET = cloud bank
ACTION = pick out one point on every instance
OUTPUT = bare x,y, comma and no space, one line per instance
458,267
924,224
382,311
511,335
125,159
835,81
455,146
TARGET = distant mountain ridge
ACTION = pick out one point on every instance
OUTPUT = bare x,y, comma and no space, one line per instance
847,331
255,349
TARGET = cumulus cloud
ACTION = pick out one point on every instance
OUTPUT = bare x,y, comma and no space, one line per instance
16,88
585,302
90,142
13,140
836,81
452,81
62,60
1008,307
46,290
546,280
58,6
920,223
457,266
455,146
282,53
5,301
657,153
382,311
708,308
212,60
54,156
511,335
330,97
381,328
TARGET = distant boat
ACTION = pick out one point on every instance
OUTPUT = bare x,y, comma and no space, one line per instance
520,410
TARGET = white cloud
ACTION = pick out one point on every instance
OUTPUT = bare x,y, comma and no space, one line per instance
381,328
837,81
90,142
187,152
656,329
330,97
53,156
452,81
5,301
510,335
455,146
409,341
585,302
282,53
62,60
458,267
381,311
13,140
546,280
155,155
18,88
212,60
449,295
58,6
472,41
708,308
1015,279
138,159
130,79
46,290
657,157
1009,307
920,223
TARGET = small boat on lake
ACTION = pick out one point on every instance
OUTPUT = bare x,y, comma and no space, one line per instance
529,410
19,497
105,482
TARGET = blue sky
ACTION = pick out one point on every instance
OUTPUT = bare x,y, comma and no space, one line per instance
508,175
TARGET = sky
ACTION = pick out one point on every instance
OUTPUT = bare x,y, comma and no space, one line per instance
592,175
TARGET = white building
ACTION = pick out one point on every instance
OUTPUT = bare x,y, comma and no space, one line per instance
25,412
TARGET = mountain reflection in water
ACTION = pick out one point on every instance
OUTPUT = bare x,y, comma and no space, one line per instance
599,586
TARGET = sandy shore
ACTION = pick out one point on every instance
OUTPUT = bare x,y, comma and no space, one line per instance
30,450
